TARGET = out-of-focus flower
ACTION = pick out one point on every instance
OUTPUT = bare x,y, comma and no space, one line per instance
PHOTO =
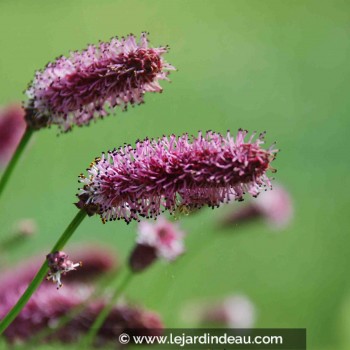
274,206
101,259
43,310
25,227
47,305
95,261
122,319
12,127
174,172
59,264
235,311
161,239
81,88
22,230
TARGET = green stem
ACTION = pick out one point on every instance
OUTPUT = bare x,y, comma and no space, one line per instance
33,286
102,316
11,165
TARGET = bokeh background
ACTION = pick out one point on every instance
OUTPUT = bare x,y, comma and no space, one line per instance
275,65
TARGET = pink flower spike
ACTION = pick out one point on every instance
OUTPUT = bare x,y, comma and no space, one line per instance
175,172
12,128
80,88
59,264
161,239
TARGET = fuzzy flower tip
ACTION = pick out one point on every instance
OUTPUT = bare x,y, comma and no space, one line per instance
59,264
162,239
175,173
81,88
12,127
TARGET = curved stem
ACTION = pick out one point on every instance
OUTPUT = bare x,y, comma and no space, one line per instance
11,165
102,316
33,286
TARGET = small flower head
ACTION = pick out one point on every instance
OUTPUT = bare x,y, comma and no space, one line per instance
12,127
168,173
164,236
59,264
162,239
81,88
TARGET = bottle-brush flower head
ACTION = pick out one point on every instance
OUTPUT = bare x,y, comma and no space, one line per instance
175,172
80,88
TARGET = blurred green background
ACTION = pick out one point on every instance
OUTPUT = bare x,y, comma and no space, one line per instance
275,65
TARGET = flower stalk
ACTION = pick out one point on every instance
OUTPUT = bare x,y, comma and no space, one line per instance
14,160
158,240
33,286
101,318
